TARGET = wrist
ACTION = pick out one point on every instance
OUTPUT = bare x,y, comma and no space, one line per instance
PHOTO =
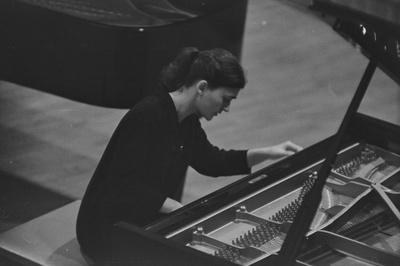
256,156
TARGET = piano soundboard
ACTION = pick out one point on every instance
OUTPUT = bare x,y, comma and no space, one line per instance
255,227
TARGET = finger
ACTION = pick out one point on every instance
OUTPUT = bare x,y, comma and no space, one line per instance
294,147
288,153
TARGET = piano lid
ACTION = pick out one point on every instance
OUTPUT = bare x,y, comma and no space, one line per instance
136,13
132,13
372,25
109,52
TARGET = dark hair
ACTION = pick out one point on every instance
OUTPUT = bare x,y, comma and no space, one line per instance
218,67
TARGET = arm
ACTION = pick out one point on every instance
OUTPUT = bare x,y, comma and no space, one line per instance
259,155
254,157
212,161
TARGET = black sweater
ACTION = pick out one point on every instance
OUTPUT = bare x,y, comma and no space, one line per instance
144,163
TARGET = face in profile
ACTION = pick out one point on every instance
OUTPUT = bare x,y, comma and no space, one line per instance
214,101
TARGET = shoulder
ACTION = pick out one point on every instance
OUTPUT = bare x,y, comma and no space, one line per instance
148,106
145,113
148,103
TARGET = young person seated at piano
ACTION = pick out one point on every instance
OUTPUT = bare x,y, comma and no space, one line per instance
144,165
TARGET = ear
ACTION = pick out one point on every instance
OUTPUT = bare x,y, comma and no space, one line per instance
201,86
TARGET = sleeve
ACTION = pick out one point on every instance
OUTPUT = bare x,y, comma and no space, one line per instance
212,161
131,155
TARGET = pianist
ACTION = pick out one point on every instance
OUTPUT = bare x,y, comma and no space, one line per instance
142,170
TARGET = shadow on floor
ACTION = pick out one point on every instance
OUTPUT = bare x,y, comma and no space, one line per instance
21,201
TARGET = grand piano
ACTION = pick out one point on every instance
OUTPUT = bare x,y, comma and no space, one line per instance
334,203
107,52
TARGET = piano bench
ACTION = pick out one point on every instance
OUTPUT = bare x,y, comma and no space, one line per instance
47,240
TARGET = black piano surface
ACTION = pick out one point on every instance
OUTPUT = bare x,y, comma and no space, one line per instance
245,223
108,52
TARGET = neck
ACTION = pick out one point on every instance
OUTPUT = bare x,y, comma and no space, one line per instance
183,103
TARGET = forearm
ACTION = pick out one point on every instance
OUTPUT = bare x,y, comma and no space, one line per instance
259,155
256,156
